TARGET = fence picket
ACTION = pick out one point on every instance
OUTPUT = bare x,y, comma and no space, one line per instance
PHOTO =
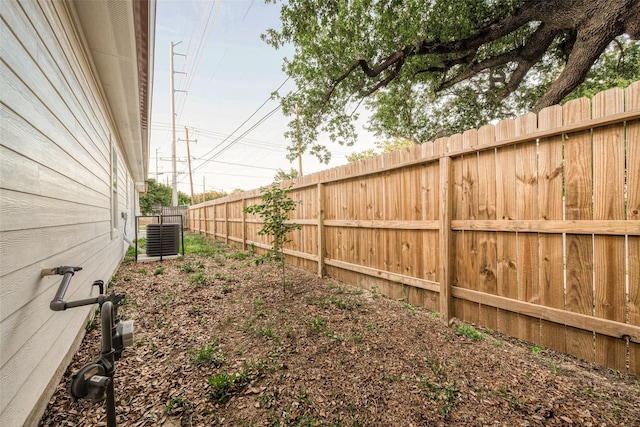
486,241
609,251
550,180
633,214
508,322
527,208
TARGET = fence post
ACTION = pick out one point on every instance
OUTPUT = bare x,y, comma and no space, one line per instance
215,230
226,223
321,234
204,219
446,261
244,225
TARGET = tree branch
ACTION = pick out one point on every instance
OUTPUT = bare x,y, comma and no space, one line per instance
525,56
587,49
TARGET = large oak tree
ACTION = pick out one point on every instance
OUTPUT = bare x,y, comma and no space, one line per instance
431,67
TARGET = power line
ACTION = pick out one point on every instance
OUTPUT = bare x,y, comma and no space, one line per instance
207,133
204,39
224,54
243,123
262,120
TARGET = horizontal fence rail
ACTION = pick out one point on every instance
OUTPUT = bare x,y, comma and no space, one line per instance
530,227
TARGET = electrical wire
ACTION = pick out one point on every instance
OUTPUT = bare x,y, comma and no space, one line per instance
262,120
224,54
269,114
204,39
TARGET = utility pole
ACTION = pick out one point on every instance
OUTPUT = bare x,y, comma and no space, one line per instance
174,181
298,137
157,165
186,131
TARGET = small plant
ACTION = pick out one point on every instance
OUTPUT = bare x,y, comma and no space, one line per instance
222,385
468,331
208,355
158,271
333,336
274,211
318,324
259,304
187,267
265,331
199,278
93,322
240,255
374,292
537,350
390,378
166,299
174,403
437,386
409,308
225,385
513,400
356,337
141,271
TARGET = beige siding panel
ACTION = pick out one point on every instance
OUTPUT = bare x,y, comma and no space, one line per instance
40,180
42,242
27,111
60,59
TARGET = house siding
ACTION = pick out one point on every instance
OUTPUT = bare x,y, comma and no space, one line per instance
55,198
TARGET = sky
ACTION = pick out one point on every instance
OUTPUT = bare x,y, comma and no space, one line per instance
224,75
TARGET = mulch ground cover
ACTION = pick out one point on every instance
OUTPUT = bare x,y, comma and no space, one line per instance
220,341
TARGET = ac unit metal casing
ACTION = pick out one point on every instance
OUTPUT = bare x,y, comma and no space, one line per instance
163,239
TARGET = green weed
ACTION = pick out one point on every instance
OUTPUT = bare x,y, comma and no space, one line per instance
208,355
468,331
514,401
409,308
174,403
199,278
537,350
187,267
166,299
318,324
240,255
437,386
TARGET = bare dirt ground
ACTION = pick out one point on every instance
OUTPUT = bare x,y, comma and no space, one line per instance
218,341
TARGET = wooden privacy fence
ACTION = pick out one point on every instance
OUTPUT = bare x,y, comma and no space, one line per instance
530,227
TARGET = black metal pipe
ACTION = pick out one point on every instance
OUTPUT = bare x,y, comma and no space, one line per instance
106,318
57,303
81,302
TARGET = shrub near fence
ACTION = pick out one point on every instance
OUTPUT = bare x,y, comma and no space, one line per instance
530,227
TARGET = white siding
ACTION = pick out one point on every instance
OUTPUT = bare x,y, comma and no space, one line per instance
55,198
